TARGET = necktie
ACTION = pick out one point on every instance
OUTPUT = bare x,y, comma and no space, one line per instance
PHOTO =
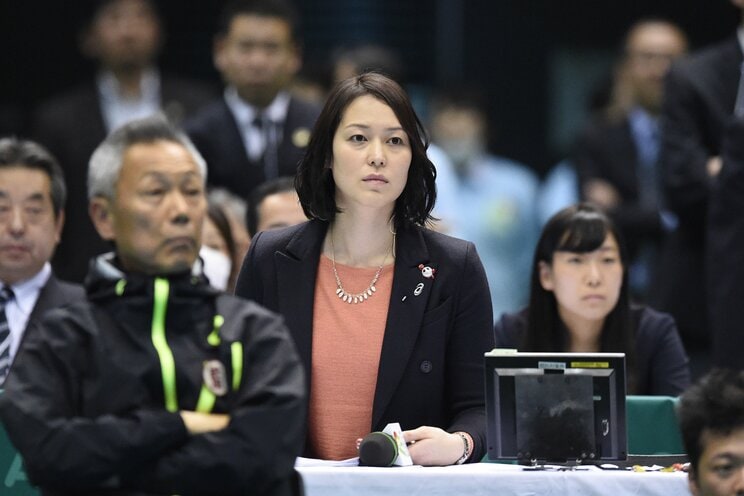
6,294
739,106
269,131
648,153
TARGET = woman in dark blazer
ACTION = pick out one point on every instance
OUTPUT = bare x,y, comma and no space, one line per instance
579,303
368,187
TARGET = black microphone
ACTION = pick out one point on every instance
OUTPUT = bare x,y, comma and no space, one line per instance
378,449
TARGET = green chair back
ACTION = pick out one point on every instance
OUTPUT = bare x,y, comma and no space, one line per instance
13,478
651,422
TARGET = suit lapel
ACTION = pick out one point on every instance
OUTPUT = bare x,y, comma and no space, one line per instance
297,269
47,299
405,314
294,140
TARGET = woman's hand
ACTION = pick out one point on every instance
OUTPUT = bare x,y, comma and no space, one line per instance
433,446
199,423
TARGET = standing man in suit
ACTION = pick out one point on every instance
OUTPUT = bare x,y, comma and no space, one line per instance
32,197
616,155
700,97
123,37
257,131
725,250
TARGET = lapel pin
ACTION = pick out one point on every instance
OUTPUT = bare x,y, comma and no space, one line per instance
419,289
427,271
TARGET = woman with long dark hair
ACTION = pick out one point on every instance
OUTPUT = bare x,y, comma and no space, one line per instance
390,318
579,302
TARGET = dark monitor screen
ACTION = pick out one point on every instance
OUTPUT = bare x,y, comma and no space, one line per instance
555,407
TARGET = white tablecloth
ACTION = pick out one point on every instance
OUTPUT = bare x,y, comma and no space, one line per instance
487,479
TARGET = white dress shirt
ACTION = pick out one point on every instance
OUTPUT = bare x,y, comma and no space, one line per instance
118,109
245,114
19,308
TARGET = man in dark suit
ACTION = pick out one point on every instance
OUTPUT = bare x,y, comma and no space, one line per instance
257,131
700,97
123,36
725,251
32,197
616,154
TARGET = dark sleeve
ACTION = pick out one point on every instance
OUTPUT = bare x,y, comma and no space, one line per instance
668,365
248,284
725,245
508,331
684,154
585,158
41,411
267,426
471,337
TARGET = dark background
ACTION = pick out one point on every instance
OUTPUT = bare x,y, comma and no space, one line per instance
537,61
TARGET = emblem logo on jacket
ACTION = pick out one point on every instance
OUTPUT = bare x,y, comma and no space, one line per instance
215,377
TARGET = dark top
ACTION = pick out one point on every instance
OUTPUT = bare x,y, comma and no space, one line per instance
725,252
699,98
219,139
431,362
661,361
85,402
606,150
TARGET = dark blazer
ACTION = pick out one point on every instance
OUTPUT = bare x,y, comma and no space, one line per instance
725,252
661,362
71,126
216,134
606,150
55,294
431,364
699,100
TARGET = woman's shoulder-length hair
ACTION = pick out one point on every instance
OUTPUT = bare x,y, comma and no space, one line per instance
314,180
579,228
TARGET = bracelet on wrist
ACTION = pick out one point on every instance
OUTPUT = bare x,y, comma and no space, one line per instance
466,448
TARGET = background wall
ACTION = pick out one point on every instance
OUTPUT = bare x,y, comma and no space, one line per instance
536,60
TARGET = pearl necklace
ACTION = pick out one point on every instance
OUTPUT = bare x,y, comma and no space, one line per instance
371,289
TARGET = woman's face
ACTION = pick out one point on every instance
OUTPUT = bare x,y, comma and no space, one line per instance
586,285
371,155
212,237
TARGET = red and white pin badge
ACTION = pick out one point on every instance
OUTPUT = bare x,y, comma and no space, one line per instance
214,376
427,271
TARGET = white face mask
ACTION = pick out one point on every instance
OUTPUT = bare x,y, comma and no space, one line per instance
462,150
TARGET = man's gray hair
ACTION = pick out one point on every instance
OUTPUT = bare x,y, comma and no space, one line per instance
105,163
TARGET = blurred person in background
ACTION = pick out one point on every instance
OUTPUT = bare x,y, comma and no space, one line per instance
123,37
258,130
701,96
484,198
616,155
218,249
274,204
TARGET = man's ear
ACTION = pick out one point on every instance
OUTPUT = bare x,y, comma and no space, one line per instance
546,276
100,213
218,53
59,223
692,481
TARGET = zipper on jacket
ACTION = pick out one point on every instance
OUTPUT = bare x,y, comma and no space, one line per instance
167,363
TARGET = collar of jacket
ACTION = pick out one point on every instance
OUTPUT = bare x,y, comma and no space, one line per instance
297,268
105,277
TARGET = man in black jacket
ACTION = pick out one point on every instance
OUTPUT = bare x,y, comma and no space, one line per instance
700,98
156,383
